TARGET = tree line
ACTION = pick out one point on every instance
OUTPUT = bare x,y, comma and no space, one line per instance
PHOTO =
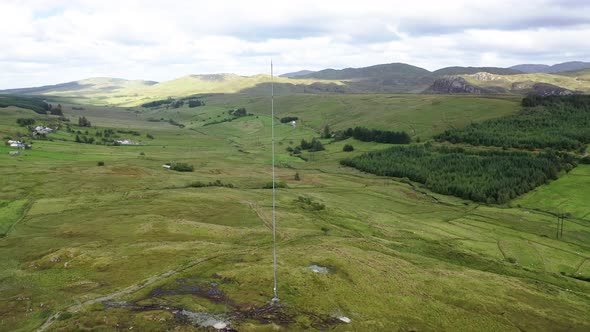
483,176
559,122
374,135
312,146
170,102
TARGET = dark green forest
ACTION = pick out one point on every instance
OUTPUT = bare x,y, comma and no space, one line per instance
483,176
558,122
37,104
373,135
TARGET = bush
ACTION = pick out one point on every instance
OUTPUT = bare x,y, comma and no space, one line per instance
313,146
347,148
297,177
288,119
182,167
278,184
25,122
309,204
64,315
216,183
100,163
83,122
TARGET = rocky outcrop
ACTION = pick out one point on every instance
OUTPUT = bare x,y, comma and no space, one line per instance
545,89
454,85
483,76
540,89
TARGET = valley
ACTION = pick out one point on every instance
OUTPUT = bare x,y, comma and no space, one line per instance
130,244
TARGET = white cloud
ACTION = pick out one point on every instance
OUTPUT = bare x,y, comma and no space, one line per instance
52,41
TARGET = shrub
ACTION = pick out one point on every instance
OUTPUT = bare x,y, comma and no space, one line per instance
309,204
216,183
347,148
25,122
83,122
182,167
100,163
65,315
278,184
297,177
288,119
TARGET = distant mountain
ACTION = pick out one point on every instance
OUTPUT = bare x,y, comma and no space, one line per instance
569,66
297,73
377,71
557,68
90,85
532,68
473,70
385,78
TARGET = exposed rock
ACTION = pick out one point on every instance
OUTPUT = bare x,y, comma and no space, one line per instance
318,269
483,76
454,84
55,259
545,89
521,85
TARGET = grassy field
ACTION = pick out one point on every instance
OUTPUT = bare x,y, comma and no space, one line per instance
569,194
148,245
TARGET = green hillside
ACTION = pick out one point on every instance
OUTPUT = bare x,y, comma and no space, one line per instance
131,245
473,70
526,81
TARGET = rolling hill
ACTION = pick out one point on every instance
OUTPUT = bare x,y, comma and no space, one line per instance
297,73
383,78
556,68
474,70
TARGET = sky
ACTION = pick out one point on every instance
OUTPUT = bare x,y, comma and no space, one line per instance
55,41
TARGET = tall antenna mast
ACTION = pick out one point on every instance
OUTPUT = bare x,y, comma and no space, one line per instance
274,221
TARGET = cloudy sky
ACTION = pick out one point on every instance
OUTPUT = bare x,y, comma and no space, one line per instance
54,41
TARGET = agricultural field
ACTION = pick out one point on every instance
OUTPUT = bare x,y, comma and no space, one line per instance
568,194
102,237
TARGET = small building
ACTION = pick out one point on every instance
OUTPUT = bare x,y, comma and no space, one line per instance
40,130
167,166
17,144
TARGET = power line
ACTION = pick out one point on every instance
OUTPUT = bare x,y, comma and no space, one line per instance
274,222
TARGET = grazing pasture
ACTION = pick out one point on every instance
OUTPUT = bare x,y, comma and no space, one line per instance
132,244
